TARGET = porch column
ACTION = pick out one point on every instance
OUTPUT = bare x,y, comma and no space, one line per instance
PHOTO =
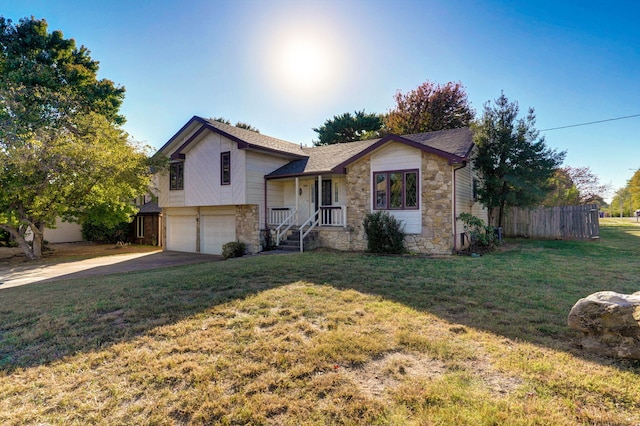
297,200
319,200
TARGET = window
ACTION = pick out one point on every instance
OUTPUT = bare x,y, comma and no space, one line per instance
475,189
176,176
396,190
139,226
225,168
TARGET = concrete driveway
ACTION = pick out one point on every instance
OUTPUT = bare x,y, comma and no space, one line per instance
103,265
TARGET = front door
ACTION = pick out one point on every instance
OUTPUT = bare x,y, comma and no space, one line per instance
326,200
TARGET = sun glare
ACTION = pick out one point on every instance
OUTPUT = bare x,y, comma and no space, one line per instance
304,64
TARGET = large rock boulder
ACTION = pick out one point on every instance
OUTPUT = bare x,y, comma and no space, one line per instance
609,322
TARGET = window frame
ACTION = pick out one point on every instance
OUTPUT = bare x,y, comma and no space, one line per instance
389,196
139,226
176,176
225,169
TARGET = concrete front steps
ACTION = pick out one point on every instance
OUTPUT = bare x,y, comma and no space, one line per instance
292,241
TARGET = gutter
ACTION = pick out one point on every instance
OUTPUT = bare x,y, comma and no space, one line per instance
454,218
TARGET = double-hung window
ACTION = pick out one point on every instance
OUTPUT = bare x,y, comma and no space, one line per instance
396,190
225,168
176,176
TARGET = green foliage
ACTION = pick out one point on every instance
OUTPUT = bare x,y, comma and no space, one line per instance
5,239
385,233
100,232
513,163
62,152
233,249
478,235
572,186
430,107
348,128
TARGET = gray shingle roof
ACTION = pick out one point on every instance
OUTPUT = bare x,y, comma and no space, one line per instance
455,143
150,207
257,140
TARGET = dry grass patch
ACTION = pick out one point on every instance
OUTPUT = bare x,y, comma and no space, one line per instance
323,339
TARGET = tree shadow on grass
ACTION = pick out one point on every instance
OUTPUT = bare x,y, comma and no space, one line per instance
523,292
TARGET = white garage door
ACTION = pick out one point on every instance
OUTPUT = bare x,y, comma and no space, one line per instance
216,231
181,233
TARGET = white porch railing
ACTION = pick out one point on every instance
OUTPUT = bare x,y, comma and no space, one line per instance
329,216
309,224
281,215
333,215
285,223
285,219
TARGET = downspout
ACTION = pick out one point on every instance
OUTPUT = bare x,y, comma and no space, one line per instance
266,208
453,199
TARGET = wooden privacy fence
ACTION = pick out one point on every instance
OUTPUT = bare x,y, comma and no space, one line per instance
557,223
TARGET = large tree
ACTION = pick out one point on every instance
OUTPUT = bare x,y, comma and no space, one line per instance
428,108
348,128
62,151
513,162
575,186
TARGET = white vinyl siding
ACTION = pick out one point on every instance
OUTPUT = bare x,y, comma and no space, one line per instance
394,157
257,165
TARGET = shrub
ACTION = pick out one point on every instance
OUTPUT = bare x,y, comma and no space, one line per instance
233,249
100,233
385,233
477,234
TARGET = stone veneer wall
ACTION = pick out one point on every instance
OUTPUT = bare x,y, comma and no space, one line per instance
437,208
435,198
358,202
248,226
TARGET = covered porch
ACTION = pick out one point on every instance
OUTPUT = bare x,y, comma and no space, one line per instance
305,203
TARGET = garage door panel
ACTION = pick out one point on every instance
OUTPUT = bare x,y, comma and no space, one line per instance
216,231
181,233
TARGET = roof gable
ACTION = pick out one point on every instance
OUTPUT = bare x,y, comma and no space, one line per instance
246,139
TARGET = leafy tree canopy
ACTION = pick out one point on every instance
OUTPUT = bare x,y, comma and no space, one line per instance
62,152
575,186
348,128
430,107
513,162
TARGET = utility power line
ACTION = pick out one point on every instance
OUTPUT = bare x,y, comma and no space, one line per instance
591,122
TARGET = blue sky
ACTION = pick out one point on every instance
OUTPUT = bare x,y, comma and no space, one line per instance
287,66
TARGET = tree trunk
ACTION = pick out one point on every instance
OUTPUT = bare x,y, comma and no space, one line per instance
32,251
500,214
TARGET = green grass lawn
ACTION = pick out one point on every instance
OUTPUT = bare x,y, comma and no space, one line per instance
325,338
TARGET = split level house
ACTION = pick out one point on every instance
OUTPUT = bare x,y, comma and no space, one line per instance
230,184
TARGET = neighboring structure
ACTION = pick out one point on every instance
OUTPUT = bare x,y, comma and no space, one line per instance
227,184
146,227
64,232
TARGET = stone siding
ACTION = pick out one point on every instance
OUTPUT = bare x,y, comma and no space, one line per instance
435,200
358,202
248,226
335,238
437,208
